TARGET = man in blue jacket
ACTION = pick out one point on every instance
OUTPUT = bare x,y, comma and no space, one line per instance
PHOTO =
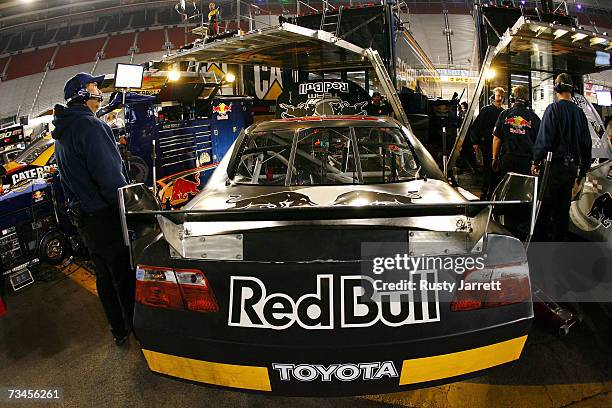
564,131
91,171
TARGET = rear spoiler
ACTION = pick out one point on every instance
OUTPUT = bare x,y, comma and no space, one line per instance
142,214
468,209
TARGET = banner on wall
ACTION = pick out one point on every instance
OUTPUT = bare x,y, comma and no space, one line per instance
322,97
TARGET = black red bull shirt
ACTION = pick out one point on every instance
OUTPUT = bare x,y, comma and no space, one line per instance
517,127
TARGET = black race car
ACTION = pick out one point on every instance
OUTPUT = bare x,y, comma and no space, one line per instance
328,256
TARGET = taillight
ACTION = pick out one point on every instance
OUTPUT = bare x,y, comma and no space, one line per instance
174,289
513,288
157,287
2,307
197,293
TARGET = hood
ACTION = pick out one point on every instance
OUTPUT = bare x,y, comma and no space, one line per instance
64,117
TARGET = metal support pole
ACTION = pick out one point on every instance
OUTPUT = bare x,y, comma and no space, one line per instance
154,160
444,155
387,85
238,15
472,107
42,81
448,32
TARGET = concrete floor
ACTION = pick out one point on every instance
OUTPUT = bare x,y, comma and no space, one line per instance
55,335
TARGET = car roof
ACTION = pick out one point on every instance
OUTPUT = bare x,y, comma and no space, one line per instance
325,121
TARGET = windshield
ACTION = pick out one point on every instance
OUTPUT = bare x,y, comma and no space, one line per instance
34,150
326,156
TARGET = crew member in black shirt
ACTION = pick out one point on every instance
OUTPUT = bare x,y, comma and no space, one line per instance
482,139
564,132
514,135
378,107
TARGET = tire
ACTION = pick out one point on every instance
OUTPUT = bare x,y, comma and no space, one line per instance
53,248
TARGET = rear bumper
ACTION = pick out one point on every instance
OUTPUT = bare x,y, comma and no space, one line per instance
303,370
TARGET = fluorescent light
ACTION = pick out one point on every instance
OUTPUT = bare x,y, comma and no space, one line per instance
539,30
597,40
559,33
578,37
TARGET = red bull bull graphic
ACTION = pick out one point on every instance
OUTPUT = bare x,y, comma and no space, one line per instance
176,190
183,188
517,124
222,110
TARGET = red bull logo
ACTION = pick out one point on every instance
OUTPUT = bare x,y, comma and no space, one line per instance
222,110
183,189
517,124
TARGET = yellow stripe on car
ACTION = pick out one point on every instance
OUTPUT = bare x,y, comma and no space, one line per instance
44,157
462,362
228,375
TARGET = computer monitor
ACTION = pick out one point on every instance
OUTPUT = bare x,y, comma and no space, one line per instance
128,76
604,98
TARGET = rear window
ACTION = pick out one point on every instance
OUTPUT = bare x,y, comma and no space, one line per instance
326,156
264,159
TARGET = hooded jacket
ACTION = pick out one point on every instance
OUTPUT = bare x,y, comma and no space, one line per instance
87,157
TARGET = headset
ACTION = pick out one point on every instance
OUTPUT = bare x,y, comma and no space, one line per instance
564,87
82,95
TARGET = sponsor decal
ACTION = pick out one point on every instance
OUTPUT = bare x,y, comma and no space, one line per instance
323,87
38,196
601,210
184,189
336,372
283,199
267,89
517,124
40,172
11,136
222,110
252,306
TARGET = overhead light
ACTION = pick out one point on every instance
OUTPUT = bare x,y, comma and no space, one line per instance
539,30
578,37
490,74
597,40
559,33
229,77
174,75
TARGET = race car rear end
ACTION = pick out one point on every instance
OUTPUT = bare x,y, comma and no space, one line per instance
293,309
329,256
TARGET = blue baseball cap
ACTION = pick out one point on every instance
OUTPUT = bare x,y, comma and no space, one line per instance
80,81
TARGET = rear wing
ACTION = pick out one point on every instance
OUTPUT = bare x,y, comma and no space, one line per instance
143,220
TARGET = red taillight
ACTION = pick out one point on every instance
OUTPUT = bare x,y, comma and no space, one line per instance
2,308
157,287
513,288
174,289
197,293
